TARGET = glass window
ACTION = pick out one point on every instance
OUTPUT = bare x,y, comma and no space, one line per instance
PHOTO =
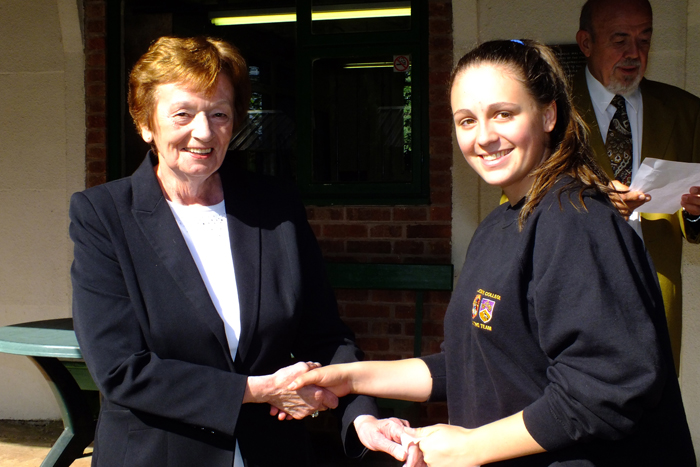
362,120
337,90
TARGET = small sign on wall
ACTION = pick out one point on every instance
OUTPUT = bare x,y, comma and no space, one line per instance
402,63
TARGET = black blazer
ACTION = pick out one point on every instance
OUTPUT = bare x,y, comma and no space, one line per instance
155,344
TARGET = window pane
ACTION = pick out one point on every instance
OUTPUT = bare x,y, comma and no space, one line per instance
361,120
346,16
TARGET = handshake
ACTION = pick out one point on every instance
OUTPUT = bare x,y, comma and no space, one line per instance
305,388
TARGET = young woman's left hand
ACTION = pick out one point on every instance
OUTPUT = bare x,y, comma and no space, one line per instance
445,445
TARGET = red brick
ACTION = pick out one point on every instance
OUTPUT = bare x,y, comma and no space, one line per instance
345,230
441,213
441,197
357,326
96,167
387,296
95,75
373,247
434,312
95,90
428,231
407,247
410,213
399,344
438,296
373,343
440,128
440,27
440,164
430,346
441,148
440,91
94,9
363,310
440,247
95,179
96,152
329,246
96,136
441,110
95,105
368,214
386,231
440,44
95,43
386,328
95,59
441,179
440,9
316,229
325,214
433,329
405,312
96,121
441,78
95,26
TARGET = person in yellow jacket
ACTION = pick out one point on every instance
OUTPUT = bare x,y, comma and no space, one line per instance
615,37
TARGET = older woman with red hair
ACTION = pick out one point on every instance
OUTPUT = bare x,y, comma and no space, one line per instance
199,291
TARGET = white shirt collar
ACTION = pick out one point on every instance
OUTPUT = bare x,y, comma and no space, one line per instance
601,97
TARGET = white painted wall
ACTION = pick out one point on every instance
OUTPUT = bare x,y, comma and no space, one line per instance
42,159
674,59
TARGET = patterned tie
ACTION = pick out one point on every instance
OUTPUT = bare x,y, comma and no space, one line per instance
618,143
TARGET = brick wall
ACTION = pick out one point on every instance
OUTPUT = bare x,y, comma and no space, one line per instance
95,93
382,320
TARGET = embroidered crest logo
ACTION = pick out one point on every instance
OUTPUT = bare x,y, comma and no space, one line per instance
475,305
486,310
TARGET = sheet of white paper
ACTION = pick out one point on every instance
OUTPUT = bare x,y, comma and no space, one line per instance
666,182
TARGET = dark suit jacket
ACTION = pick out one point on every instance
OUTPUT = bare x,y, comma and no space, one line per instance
671,131
154,342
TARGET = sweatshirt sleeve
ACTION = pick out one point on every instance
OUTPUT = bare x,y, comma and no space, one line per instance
599,316
438,372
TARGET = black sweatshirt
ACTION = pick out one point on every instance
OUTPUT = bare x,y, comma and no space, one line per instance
565,321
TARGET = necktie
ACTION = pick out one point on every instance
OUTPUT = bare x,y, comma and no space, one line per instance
618,143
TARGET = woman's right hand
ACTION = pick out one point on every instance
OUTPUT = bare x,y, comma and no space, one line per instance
333,378
289,403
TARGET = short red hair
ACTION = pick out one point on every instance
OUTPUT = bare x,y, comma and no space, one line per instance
195,61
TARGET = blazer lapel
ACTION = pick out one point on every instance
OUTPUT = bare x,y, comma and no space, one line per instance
156,221
584,105
244,229
656,132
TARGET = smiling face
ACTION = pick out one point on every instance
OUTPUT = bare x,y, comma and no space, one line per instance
501,130
618,49
191,131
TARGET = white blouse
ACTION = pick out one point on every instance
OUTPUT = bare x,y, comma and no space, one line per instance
206,232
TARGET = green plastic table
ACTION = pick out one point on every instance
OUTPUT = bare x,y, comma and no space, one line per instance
53,348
